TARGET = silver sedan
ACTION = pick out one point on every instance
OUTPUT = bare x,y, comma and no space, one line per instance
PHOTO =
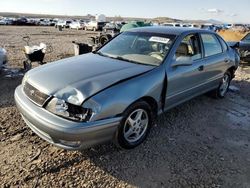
117,92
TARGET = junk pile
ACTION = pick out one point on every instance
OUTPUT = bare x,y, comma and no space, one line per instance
34,53
93,43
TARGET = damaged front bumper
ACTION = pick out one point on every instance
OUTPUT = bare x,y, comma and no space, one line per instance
62,132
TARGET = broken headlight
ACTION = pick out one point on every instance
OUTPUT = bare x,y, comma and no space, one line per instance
69,111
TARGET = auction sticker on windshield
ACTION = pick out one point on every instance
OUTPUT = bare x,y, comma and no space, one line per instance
159,39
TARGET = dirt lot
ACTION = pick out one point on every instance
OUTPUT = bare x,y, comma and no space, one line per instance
202,143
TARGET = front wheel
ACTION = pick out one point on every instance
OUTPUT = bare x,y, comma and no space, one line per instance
135,125
221,91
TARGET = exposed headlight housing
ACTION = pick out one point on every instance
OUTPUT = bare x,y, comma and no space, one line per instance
68,110
25,77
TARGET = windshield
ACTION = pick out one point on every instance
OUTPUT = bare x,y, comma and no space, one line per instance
246,38
139,47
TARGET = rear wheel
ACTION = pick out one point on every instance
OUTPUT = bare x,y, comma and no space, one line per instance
221,91
135,125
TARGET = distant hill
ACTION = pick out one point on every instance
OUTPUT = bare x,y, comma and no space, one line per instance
116,18
165,20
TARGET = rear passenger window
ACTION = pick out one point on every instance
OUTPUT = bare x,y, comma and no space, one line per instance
223,44
211,44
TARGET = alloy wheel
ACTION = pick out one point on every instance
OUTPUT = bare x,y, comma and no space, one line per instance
224,85
136,125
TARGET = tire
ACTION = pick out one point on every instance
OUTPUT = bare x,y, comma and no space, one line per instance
129,136
222,90
104,38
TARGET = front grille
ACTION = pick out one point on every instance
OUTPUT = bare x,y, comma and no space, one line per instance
34,94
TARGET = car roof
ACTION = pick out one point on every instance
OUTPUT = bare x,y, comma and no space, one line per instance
168,30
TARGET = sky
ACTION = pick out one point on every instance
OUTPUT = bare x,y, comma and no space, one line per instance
230,11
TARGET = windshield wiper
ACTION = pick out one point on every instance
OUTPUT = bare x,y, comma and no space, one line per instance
119,58
128,60
102,54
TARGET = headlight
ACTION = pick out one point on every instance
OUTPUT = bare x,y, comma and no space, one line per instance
69,111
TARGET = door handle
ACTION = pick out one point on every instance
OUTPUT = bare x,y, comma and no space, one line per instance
201,68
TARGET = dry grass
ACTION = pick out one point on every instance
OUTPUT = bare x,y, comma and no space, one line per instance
230,35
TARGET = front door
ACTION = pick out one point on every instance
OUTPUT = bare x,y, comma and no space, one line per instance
185,74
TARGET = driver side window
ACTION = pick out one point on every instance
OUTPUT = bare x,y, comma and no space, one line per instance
189,48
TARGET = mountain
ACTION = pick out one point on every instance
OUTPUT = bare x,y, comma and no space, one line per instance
214,21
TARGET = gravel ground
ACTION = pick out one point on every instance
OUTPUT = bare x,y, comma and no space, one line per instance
202,143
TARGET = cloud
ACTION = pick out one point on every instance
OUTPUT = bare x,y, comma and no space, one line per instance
215,11
233,14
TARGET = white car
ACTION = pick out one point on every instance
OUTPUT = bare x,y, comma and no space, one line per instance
6,21
63,23
76,25
94,25
194,26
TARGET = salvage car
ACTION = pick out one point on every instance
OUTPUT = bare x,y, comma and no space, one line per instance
63,23
94,26
243,47
116,27
116,92
77,25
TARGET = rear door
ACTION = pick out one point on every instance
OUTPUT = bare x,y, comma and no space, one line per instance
215,58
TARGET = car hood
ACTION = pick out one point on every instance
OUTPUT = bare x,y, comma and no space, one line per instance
82,76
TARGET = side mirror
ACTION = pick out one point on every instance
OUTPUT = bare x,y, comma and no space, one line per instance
182,61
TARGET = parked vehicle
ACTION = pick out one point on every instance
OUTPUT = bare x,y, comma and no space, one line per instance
244,47
2,22
6,21
21,21
63,23
134,24
112,27
239,27
94,26
194,26
172,24
185,25
77,25
209,27
117,92
45,23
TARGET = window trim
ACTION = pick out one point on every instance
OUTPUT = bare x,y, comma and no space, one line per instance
204,52
222,40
